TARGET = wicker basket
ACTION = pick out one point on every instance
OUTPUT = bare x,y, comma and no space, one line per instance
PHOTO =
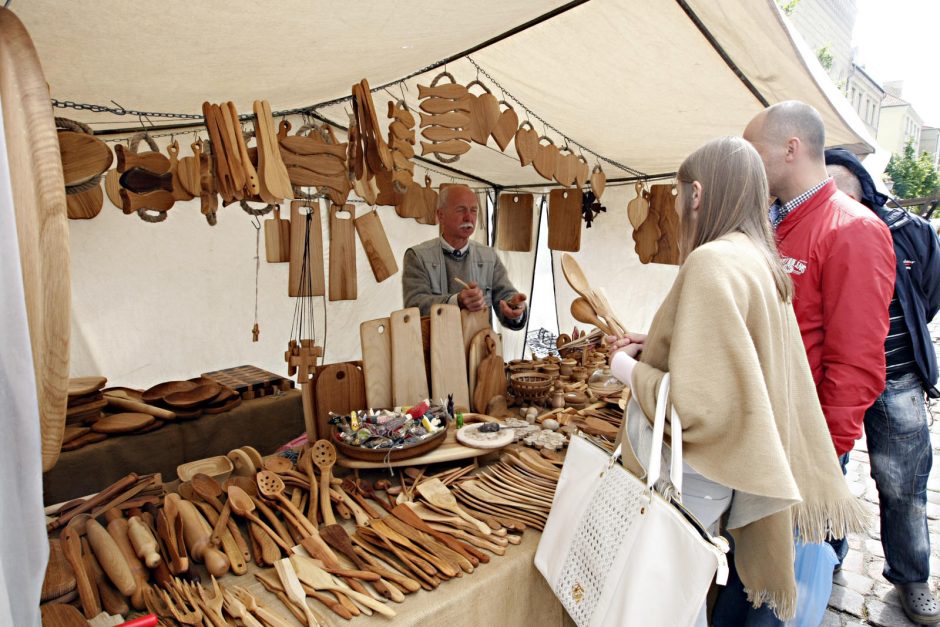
531,386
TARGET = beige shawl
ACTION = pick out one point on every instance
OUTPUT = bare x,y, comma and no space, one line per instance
750,416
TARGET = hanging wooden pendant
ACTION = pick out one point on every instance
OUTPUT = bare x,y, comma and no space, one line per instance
546,158
598,181
527,143
505,127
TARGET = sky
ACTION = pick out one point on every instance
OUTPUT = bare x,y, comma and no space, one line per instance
898,40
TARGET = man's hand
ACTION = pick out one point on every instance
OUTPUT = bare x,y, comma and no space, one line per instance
513,307
471,298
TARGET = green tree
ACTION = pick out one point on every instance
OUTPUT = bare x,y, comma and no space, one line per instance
787,6
912,176
824,55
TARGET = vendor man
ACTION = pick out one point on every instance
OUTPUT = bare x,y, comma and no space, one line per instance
453,269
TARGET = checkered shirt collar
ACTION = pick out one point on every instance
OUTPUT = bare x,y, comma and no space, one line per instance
782,211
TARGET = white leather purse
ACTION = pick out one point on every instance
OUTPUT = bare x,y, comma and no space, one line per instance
615,552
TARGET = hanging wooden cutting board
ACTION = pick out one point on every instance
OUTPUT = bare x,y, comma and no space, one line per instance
315,285
448,359
647,236
339,389
343,285
456,119
527,143
476,353
277,238
85,205
564,220
661,196
375,337
490,376
409,377
505,127
514,222
473,322
375,242
566,168
83,157
412,204
546,158
484,114
639,207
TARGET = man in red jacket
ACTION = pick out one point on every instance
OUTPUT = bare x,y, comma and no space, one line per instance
841,259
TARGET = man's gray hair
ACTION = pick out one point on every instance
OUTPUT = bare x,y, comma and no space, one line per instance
444,195
845,180
793,118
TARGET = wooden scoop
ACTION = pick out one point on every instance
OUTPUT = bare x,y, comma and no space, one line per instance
319,579
324,456
582,311
437,494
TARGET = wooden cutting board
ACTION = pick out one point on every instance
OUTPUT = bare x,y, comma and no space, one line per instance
473,323
343,285
663,205
375,243
564,220
476,353
83,157
375,337
514,222
409,377
448,359
60,578
250,381
277,238
122,423
80,386
490,376
338,388
647,236
638,208
313,283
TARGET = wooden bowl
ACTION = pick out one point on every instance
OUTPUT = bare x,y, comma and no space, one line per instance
157,392
385,454
218,467
198,395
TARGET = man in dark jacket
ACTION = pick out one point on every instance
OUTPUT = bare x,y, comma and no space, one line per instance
896,428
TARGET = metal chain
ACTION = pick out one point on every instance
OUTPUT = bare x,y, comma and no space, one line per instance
81,106
531,113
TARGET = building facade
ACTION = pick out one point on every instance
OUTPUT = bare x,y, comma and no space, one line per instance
900,123
827,25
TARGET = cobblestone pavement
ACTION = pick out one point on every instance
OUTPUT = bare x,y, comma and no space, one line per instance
860,594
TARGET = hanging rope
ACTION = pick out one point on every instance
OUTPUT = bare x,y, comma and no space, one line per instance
256,330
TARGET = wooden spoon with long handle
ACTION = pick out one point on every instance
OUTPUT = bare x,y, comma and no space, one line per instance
437,493
324,456
72,547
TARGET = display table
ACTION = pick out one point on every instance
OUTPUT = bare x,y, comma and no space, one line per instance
265,423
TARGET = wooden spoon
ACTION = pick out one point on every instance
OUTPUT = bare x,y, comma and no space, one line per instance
324,455
437,493
582,311
72,547
338,539
272,486
243,505
305,463
317,578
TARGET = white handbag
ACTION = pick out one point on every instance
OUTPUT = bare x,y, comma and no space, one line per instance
615,552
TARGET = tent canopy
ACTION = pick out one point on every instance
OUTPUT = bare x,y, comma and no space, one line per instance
641,84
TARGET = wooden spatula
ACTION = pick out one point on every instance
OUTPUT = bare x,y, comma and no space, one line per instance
295,592
437,493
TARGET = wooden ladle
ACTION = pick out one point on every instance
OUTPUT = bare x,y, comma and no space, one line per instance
244,506
582,311
324,456
437,494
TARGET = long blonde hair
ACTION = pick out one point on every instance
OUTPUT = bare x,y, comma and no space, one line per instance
733,199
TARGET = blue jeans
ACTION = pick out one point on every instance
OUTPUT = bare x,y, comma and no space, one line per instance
732,609
841,546
901,456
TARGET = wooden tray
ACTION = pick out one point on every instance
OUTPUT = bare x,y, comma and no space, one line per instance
379,455
122,423
450,450
250,381
196,396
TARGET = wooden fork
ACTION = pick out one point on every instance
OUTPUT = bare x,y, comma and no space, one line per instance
212,601
182,613
273,619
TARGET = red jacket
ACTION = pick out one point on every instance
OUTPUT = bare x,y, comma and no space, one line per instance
841,259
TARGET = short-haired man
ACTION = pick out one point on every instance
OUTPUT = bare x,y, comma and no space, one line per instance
434,270
898,436
841,260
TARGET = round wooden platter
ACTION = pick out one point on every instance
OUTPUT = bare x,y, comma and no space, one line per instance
198,395
82,386
159,391
59,579
128,393
449,450
470,435
221,409
380,455
122,423
38,189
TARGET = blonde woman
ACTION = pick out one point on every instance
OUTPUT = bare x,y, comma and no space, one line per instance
754,437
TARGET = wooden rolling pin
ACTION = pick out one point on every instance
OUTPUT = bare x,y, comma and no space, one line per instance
117,529
136,406
197,538
110,558
145,545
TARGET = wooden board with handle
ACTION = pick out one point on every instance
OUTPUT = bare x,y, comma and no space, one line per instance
338,388
646,237
663,205
343,284
448,359
309,282
638,208
490,376
277,238
477,352
375,242
514,222
564,220
409,377
375,338
473,322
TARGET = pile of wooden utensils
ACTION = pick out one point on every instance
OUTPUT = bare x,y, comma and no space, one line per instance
396,547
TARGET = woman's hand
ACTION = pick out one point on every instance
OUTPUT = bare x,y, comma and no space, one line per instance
632,344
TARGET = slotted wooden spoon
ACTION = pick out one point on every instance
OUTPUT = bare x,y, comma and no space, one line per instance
324,456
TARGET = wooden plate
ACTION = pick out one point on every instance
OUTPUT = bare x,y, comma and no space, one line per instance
82,386
128,393
38,188
62,615
382,454
85,408
188,415
59,579
157,392
191,398
122,423
88,438
469,436
221,409
72,433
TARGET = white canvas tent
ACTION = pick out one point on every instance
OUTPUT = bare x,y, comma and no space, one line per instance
633,85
